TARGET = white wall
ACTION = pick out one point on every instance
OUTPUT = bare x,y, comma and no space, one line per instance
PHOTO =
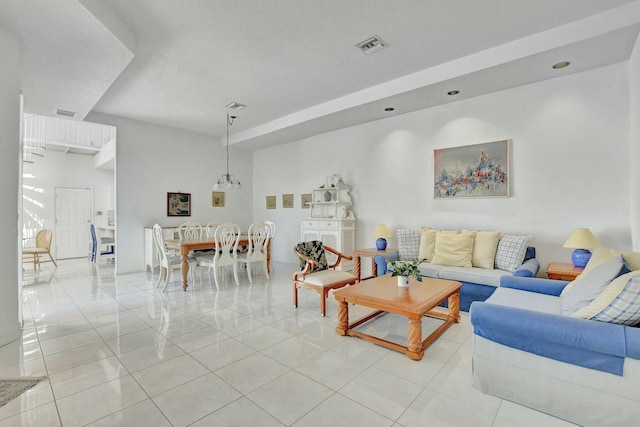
153,160
57,169
9,144
634,90
569,160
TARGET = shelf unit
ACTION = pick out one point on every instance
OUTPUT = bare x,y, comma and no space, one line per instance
331,220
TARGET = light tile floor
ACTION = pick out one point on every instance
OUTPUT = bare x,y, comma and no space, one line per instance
118,352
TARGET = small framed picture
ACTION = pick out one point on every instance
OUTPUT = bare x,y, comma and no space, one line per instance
178,204
287,201
305,200
217,199
271,202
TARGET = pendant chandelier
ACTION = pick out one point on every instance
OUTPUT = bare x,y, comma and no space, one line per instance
228,181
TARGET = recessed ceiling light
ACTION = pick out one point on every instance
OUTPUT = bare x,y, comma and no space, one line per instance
389,109
235,106
453,92
560,65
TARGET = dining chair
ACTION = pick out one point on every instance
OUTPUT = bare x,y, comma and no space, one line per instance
210,229
272,226
168,262
316,273
190,230
98,243
42,247
226,236
258,235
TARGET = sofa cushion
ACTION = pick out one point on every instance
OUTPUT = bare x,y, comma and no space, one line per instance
602,254
485,246
618,303
453,249
534,301
427,244
582,291
408,243
510,252
430,270
480,276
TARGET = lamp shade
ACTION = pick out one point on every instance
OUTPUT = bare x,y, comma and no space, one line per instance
581,238
381,231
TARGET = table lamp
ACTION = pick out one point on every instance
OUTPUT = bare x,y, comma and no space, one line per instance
381,232
581,239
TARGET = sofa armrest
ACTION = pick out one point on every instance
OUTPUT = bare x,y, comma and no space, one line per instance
586,343
533,284
382,259
529,268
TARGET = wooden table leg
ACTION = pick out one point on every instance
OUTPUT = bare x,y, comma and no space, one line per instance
269,256
414,345
356,266
184,269
343,318
454,307
374,267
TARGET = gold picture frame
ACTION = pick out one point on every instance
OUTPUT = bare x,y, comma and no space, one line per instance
217,199
287,201
305,201
271,202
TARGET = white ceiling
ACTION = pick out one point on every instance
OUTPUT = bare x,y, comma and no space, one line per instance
294,62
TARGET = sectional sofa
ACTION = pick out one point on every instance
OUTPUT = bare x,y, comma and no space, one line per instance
569,350
477,259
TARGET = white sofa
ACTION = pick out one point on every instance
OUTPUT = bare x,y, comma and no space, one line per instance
582,365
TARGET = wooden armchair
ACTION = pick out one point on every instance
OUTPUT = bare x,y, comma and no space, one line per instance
317,274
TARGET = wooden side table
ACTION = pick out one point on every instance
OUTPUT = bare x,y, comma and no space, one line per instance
369,252
563,271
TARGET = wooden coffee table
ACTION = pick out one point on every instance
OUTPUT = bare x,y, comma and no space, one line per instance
415,301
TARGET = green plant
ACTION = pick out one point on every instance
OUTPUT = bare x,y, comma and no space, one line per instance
406,269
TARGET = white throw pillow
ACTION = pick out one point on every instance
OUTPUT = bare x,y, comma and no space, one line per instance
511,251
485,246
590,285
453,249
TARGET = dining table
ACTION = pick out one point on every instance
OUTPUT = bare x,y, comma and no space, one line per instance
185,246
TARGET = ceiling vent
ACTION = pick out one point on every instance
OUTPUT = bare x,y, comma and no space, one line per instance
371,45
65,113
235,106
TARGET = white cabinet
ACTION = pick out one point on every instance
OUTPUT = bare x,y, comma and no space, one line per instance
340,234
150,252
331,220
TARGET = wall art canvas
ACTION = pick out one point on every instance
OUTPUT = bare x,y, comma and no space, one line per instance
178,204
305,200
271,202
480,170
217,199
287,200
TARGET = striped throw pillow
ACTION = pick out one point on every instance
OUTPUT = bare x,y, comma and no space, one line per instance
617,303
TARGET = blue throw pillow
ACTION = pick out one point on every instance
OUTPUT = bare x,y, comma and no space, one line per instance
591,284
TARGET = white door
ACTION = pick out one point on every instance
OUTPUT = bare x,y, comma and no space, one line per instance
73,215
